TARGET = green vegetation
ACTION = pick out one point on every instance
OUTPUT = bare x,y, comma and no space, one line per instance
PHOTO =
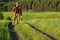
25,32
35,5
43,14
51,26
34,15
4,33
49,22
1,16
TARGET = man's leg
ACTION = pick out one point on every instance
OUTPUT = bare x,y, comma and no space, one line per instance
14,19
18,18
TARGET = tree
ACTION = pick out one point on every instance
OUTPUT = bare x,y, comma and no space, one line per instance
34,5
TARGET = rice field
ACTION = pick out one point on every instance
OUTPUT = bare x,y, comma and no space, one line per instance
48,22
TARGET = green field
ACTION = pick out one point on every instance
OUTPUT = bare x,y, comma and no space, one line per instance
48,22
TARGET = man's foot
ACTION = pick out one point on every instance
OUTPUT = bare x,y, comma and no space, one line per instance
12,25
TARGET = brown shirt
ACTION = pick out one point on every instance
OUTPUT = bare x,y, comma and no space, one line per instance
17,10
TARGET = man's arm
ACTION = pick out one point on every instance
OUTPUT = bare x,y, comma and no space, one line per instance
13,8
20,11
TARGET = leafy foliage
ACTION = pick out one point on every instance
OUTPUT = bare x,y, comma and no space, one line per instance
35,5
8,18
1,15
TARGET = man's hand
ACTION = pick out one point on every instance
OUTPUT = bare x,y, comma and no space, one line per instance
14,9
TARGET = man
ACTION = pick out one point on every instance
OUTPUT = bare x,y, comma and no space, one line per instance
17,13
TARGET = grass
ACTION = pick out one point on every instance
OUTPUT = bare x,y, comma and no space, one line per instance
31,15
7,14
4,32
51,26
46,21
27,33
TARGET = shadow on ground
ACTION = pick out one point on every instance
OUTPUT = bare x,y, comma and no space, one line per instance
13,34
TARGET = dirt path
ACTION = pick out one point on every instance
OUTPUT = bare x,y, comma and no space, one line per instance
42,32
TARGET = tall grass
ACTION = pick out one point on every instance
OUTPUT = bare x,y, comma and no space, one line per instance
46,21
25,32
34,15
51,26
4,32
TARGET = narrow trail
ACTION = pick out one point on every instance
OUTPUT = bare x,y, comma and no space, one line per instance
42,32
13,34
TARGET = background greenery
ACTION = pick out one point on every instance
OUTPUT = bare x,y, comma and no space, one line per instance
34,5
43,14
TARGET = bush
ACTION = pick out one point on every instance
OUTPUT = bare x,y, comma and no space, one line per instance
8,18
1,16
